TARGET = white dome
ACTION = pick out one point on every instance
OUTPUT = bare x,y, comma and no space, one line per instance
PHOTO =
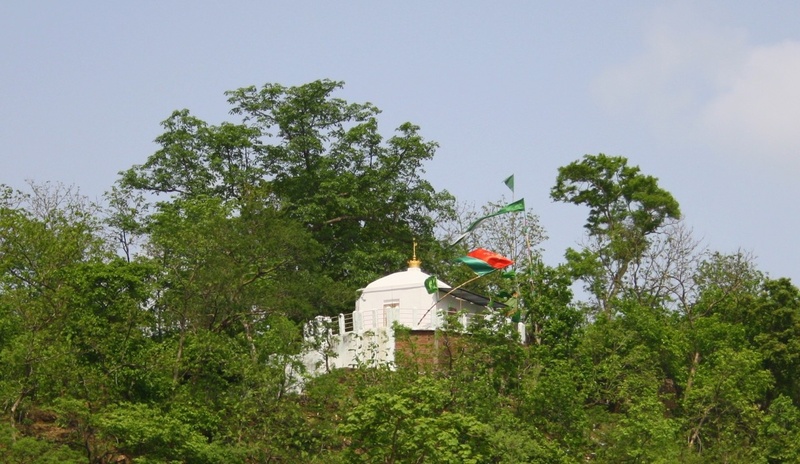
412,277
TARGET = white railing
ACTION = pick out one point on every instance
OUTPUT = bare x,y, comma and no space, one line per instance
413,318
373,320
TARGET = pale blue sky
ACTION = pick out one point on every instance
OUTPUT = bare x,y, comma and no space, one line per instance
703,95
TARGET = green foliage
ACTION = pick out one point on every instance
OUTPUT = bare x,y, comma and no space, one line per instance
184,348
412,425
721,410
29,450
772,325
554,321
624,204
625,207
422,423
319,160
44,242
553,399
144,431
779,436
642,433
229,265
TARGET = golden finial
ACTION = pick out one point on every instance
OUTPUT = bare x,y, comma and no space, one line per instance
414,262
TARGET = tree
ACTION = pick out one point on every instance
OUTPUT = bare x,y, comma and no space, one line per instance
321,161
625,208
665,273
44,237
123,220
772,325
722,411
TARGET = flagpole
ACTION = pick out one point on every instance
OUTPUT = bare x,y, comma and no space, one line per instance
514,239
510,181
513,218
527,229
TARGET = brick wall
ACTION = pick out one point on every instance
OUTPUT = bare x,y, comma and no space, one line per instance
426,349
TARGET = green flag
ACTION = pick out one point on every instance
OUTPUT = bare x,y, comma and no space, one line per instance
513,311
510,182
431,285
518,205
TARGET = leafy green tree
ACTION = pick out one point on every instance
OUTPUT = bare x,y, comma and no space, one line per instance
552,399
722,409
414,425
321,161
552,318
625,207
149,434
106,329
723,285
723,387
772,324
44,238
229,282
71,317
424,422
779,436
642,433
30,450
198,159
225,269
630,365
123,221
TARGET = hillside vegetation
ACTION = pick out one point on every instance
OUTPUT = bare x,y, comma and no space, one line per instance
164,326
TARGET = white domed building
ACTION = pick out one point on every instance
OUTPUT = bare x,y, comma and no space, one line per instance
366,336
